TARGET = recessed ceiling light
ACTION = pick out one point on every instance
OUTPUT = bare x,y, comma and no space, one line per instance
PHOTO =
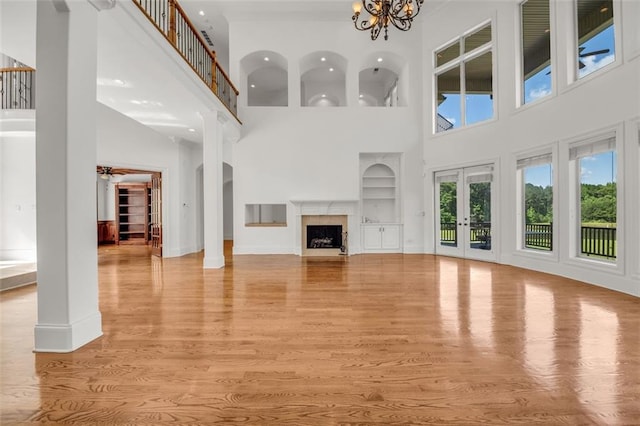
201,13
253,86
379,59
266,59
361,95
324,96
118,81
323,59
331,69
192,130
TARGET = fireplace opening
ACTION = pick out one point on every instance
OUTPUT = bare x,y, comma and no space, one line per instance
324,236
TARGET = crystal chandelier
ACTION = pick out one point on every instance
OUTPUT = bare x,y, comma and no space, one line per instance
400,13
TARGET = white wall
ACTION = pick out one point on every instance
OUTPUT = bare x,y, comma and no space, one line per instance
18,197
106,199
303,153
126,143
606,99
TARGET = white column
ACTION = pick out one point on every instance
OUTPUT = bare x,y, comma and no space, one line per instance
212,155
66,41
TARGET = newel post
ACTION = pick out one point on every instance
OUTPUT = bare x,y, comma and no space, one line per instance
172,22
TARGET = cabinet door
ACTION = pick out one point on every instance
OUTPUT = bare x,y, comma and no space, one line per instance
372,236
390,237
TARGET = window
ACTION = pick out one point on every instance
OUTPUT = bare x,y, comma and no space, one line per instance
536,209
535,50
464,81
596,198
596,40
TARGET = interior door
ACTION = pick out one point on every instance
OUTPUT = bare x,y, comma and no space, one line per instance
464,205
156,214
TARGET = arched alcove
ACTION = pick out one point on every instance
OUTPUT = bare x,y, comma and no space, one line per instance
267,78
383,80
322,79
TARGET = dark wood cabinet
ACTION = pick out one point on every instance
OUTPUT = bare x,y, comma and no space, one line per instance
133,211
106,232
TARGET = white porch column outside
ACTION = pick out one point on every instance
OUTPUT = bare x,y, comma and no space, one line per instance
212,155
66,42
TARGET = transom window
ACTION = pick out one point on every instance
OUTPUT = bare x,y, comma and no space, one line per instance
464,80
535,50
596,39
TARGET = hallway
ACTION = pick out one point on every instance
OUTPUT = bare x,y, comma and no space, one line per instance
280,339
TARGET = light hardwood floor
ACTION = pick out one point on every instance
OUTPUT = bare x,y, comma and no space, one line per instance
369,339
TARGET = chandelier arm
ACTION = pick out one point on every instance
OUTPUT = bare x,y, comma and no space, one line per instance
402,25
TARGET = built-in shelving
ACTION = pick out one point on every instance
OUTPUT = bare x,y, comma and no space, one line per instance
133,208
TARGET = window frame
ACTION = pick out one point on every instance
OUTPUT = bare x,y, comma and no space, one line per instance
459,61
575,220
520,81
545,150
575,44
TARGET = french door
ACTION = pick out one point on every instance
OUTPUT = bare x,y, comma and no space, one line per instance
464,205
156,215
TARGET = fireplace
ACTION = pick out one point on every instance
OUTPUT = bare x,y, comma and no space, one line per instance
324,236
333,220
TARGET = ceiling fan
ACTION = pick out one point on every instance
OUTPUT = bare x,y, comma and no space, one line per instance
105,172
587,54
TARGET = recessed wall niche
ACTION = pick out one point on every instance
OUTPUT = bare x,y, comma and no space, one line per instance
265,215
381,79
322,80
267,79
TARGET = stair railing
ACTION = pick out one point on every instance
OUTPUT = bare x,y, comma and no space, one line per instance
17,88
171,20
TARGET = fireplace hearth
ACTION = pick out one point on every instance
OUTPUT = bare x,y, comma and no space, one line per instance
324,236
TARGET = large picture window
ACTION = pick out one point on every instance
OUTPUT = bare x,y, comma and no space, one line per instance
535,50
536,175
597,194
596,37
464,81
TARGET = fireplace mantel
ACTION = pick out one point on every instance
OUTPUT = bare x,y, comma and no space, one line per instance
326,207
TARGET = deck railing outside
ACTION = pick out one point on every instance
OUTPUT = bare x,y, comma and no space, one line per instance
598,241
17,88
171,20
538,236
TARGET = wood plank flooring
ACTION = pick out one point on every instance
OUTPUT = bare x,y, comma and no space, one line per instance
368,339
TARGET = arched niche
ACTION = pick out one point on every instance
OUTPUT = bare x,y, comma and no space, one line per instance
383,80
322,79
267,78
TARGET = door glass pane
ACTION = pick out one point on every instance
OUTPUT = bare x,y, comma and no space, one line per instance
448,100
479,89
538,207
448,214
480,215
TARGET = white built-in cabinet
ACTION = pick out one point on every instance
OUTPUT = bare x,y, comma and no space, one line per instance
381,228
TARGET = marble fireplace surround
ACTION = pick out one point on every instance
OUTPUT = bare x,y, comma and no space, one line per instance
325,212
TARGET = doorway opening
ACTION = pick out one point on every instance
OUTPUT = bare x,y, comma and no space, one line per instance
129,207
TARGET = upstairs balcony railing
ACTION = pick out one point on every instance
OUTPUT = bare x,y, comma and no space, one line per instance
17,88
170,19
